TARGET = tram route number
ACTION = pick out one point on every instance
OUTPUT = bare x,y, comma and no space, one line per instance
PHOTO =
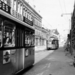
6,56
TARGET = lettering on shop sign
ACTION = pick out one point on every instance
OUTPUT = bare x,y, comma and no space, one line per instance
4,7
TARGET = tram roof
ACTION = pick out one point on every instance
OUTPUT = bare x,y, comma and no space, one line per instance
14,19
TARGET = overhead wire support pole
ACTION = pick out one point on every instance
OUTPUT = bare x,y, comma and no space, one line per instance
66,14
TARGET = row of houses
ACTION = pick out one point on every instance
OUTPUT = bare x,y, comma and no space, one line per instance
22,10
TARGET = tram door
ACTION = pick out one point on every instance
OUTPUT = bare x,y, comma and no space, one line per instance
20,50
8,64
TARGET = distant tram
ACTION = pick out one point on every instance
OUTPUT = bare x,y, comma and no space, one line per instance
16,43
53,44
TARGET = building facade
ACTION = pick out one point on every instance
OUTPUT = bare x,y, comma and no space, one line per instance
40,33
40,39
21,10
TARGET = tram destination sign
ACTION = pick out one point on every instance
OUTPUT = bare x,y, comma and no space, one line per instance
4,7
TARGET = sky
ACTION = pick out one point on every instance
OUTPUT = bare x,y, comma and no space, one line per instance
51,11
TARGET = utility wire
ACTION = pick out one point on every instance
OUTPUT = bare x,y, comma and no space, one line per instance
65,7
60,6
47,22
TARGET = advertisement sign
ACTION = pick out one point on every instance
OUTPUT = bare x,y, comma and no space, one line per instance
4,7
6,56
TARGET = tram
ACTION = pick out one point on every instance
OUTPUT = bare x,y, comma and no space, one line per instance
52,44
16,43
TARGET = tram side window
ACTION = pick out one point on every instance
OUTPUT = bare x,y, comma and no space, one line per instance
29,39
9,35
32,39
0,32
26,39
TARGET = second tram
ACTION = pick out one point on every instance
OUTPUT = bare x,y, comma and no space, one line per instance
52,44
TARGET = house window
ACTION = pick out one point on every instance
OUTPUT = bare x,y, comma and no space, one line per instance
18,7
21,9
14,4
5,1
26,13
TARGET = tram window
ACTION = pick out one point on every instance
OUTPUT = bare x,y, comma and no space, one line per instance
0,32
29,39
9,34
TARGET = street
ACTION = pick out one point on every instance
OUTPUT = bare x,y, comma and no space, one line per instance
55,63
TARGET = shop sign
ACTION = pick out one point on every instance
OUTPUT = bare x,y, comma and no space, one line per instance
14,13
6,56
26,20
4,7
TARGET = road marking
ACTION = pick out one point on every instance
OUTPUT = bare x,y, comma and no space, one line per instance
41,73
49,65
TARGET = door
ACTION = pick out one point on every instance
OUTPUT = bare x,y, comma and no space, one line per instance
20,50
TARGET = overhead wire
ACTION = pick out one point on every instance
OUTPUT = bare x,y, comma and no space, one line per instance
65,7
60,6
47,22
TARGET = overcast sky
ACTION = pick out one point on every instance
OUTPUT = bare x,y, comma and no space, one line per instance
51,11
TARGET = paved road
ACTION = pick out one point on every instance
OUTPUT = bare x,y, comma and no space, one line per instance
53,64
41,55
